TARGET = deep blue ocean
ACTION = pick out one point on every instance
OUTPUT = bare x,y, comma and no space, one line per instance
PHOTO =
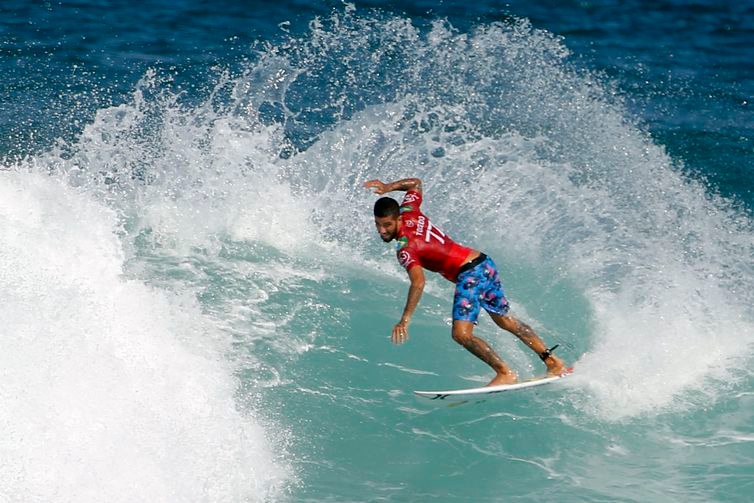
195,305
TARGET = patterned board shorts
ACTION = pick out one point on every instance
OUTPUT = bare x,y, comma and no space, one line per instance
476,288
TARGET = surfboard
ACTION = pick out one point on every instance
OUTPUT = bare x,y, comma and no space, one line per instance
485,391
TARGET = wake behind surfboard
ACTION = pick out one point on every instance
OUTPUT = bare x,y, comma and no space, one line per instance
484,391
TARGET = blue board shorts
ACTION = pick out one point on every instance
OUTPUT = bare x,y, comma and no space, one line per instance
479,287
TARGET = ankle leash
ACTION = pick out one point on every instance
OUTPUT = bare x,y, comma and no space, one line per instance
544,355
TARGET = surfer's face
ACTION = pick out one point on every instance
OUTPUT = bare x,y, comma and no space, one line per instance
387,227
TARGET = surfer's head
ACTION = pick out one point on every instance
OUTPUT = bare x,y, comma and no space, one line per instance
387,218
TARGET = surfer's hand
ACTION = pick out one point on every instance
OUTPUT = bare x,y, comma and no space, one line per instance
400,333
379,187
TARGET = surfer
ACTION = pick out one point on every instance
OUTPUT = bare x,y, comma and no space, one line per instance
421,245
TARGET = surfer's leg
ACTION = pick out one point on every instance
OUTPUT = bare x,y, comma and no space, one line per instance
463,334
466,307
555,366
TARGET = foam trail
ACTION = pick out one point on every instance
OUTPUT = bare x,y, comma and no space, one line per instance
112,391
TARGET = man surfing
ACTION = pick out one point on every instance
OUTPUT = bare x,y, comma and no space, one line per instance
421,245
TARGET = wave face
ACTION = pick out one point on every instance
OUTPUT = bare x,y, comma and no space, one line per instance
198,303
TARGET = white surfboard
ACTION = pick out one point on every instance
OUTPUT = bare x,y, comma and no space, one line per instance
482,392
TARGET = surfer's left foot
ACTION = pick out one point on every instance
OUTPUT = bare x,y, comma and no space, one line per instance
508,378
555,366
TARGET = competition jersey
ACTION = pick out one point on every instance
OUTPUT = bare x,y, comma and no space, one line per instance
422,244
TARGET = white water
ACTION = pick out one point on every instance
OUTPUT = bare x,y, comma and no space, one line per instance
112,391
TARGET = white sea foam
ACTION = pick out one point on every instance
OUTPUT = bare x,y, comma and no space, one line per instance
112,391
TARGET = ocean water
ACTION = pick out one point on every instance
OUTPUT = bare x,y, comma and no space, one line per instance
195,306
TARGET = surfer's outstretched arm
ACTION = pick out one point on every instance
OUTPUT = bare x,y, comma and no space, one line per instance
403,185
400,330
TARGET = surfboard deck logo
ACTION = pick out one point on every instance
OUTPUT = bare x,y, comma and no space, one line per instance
492,390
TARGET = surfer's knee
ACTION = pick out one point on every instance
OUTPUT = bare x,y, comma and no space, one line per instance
506,322
461,338
462,334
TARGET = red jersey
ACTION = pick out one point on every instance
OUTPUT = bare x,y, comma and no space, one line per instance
422,244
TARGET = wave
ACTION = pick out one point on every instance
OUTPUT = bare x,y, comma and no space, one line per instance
251,195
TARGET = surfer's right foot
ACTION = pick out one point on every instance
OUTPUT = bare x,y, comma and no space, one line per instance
555,366
508,378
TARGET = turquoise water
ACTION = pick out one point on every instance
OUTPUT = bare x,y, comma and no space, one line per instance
196,305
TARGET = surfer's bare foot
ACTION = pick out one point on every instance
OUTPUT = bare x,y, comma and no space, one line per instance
504,378
555,366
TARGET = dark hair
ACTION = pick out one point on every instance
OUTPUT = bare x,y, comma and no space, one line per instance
386,207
